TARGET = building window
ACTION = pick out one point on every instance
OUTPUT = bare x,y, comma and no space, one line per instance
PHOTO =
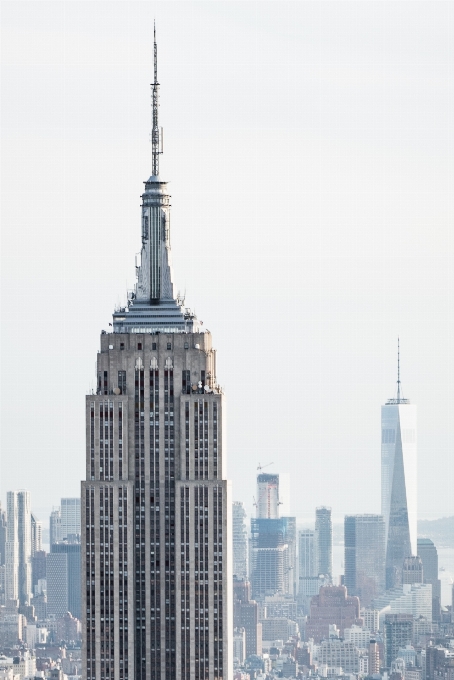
153,345
169,345
186,381
139,345
122,381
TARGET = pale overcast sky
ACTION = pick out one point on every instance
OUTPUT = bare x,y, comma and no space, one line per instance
310,151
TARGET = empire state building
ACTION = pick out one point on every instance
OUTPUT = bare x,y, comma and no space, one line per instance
156,526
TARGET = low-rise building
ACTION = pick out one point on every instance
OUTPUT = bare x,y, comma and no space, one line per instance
413,673
339,653
278,629
411,598
359,636
332,605
239,645
371,619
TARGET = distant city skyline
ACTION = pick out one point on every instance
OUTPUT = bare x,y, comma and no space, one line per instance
363,164
249,501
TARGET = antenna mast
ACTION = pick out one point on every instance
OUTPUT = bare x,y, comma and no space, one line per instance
399,396
155,105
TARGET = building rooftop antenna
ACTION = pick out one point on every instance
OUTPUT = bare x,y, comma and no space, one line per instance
398,369
155,105
399,396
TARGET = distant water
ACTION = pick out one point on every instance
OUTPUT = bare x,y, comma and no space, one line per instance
445,559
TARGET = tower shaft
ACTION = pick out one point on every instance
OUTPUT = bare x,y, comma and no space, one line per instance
156,512
399,485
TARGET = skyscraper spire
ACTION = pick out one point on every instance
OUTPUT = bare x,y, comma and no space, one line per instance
152,306
399,398
155,105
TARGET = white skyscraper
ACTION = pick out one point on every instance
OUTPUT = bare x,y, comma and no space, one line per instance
284,495
55,527
240,541
70,517
307,562
12,548
18,547
156,508
308,581
36,535
398,482
323,538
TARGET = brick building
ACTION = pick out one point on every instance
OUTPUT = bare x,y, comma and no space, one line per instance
332,605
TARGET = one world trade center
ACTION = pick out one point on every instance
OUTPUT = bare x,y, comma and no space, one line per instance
398,482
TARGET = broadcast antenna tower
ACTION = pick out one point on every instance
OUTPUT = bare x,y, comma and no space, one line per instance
155,104
400,399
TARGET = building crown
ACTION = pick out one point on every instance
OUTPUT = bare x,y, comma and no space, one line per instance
152,306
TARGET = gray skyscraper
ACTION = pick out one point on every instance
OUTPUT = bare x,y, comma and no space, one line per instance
412,571
63,579
398,479
2,535
429,556
398,634
18,574
55,526
240,541
57,584
246,615
324,541
273,554
364,541
309,582
307,563
156,508
273,543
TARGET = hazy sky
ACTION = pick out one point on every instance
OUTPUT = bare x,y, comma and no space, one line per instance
310,151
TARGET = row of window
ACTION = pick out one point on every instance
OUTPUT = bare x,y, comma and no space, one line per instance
154,346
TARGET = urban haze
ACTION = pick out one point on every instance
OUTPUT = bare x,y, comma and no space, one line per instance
309,150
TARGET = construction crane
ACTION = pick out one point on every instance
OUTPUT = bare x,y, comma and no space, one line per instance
261,467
